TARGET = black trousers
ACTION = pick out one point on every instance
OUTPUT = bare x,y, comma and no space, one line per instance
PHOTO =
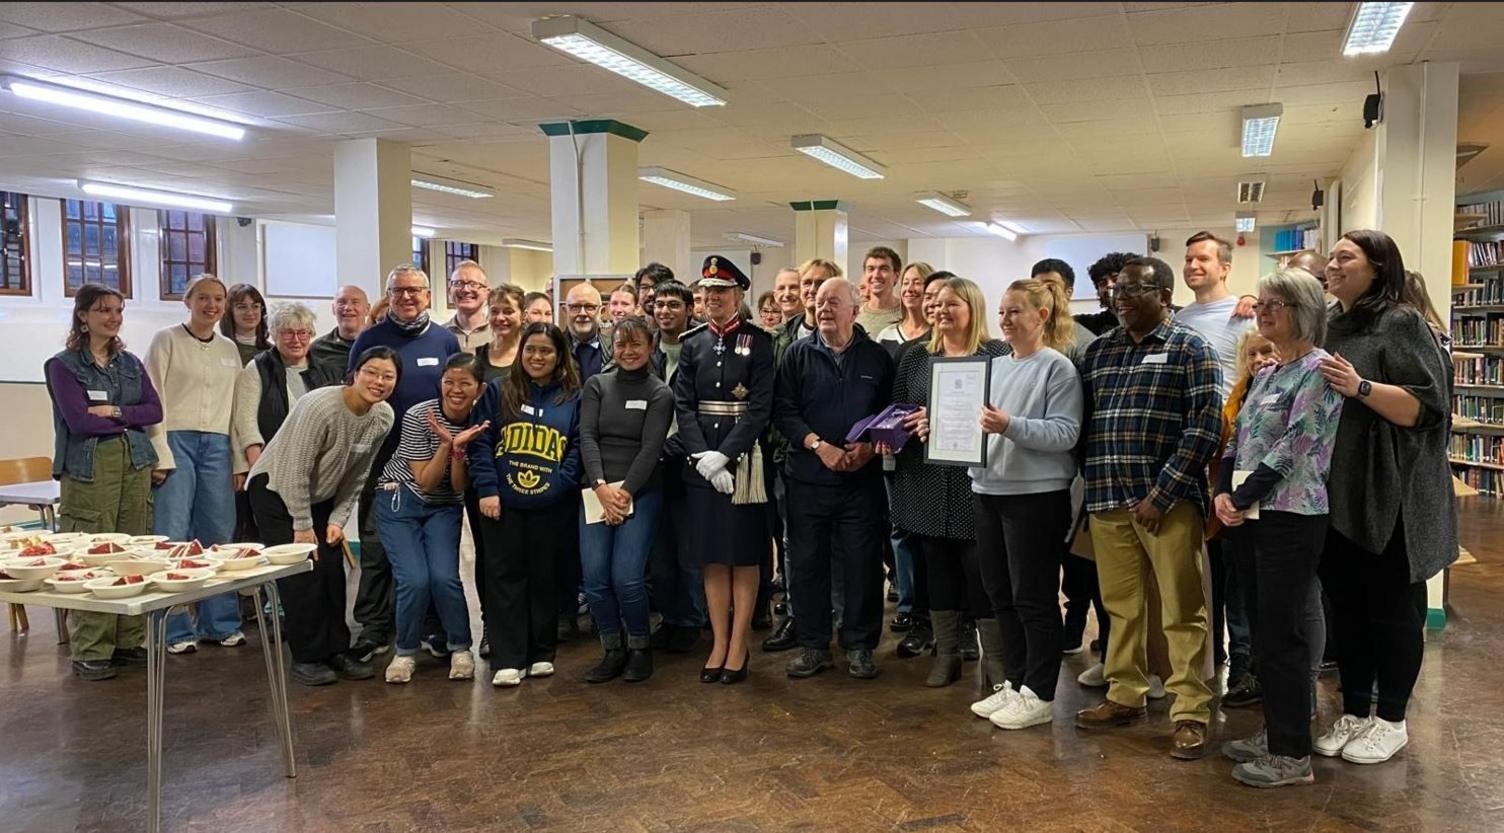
1240,549
1287,548
569,575
1078,583
1220,565
313,602
523,550
1380,618
954,582
1020,543
375,596
818,517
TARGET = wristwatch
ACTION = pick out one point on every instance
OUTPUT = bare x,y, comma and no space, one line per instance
1365,387
815,446
115,414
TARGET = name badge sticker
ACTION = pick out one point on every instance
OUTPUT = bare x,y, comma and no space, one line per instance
428,361
229,363
637,404
1156,358
528,409
1271,399
99,396
360,448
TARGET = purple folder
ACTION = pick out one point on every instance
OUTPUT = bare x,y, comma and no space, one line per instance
886,426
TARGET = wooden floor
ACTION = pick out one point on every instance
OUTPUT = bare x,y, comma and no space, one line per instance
825,754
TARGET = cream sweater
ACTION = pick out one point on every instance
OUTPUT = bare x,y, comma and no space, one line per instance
196,381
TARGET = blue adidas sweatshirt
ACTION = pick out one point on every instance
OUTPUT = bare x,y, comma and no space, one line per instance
532,461
423,356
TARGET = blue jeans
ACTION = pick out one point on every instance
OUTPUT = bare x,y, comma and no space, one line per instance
614,560
903,560
197,501
677,580
422,543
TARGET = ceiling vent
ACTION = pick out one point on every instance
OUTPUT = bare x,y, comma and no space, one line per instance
1251,191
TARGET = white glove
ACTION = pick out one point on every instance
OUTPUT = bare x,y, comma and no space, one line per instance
707,463
724,482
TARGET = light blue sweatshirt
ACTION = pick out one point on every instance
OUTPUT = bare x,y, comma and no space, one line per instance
1042,397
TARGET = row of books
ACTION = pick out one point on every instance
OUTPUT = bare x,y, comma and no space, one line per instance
1491,291
1485,370
1486,481
1493,212
1478,448
1471,330
1489,409
1483,253
1287,240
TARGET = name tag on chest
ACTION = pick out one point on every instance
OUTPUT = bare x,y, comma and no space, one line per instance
637,404
1271,399
1156,358
428,361
99,396
529,410
360,448
229,363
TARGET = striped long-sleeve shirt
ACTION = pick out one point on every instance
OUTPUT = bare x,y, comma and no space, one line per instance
1155,418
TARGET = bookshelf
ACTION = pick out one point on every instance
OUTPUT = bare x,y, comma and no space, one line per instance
1476,449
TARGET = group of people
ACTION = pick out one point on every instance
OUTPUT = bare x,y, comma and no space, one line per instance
1263,465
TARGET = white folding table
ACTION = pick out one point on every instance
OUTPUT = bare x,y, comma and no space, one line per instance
45,495
155,606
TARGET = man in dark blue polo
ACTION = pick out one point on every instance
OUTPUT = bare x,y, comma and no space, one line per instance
826,384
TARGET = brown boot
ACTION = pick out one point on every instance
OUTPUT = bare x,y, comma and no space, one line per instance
1189,741
1108,715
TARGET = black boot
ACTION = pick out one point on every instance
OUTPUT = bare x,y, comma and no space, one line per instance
639,665
613,661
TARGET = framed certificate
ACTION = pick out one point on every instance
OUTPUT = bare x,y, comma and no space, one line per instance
958,390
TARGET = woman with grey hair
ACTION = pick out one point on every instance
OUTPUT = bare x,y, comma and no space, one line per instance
265,390
1273,480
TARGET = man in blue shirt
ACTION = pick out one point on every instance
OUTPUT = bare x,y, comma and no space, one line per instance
422,348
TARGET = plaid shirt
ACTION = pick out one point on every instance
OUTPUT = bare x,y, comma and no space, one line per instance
1155,418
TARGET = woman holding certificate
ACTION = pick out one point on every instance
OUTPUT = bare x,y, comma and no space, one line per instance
1023,496
933,500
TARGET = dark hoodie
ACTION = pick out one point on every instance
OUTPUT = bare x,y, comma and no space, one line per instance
532,461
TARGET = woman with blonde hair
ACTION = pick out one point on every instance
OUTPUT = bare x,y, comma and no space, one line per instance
913,326
933,502
1023,499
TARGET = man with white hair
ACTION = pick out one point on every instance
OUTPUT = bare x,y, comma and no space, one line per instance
468,290
352,314
826,385
591,351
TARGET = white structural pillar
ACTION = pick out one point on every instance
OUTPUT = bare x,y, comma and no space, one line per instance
373,211
1416,162
820,231
593,190
665,240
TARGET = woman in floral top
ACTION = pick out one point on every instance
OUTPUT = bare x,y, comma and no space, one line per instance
1273,476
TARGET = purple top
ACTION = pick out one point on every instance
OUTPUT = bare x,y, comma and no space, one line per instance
73,403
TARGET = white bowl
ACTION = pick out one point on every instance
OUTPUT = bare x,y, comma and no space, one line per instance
218,549
15,540
145,540
109,538
32,567
106,588
135,565
236,565
196,562
72,581
66,539
193,581
288,553
10,584
82,552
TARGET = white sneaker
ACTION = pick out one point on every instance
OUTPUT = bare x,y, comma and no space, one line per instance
508,677
1342,732
1023,711
999,699
1377,743
234,640
400,670
187,646
1156,688
1093,677
541,669
462,665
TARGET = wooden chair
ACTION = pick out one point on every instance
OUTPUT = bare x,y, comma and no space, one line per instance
25,470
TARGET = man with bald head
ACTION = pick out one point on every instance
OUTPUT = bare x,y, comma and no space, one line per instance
826,384
352,314
582,308
1313,263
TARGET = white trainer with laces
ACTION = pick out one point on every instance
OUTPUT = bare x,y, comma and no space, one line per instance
1346,728
1025,710
508,677
462,665
400,670
187,646
1378,743
541,669
1000,697
234,640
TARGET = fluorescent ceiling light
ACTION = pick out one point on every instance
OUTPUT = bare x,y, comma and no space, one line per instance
837,156
753,238
530,245
149,196
685,183
423,231
1003,230
1259,125
589,42
119,107
943,204
1251,190
1244,222
429,182
1374,27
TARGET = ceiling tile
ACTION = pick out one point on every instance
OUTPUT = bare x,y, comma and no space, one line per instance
164,42
277,31
1191,25
928,50
393,22
341,122
726,68
263,103
1211,80
1097,89
66,17
178,10
1088,34
10,30
172,82
372,63
1101,64
738,30
66,55
1323,45
521,109
1231,52
453,86
354,96
492,55
1122,108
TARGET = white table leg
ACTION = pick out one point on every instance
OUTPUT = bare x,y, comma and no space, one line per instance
156,668
276,671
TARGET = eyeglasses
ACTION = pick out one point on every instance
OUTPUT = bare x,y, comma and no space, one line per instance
477,285
409,291
1129,290
582,307
300,335
1271,306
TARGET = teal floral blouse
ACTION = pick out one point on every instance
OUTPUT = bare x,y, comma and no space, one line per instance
1289,423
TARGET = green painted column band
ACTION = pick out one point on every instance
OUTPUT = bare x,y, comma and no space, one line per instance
1436,619
818,205
581,128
